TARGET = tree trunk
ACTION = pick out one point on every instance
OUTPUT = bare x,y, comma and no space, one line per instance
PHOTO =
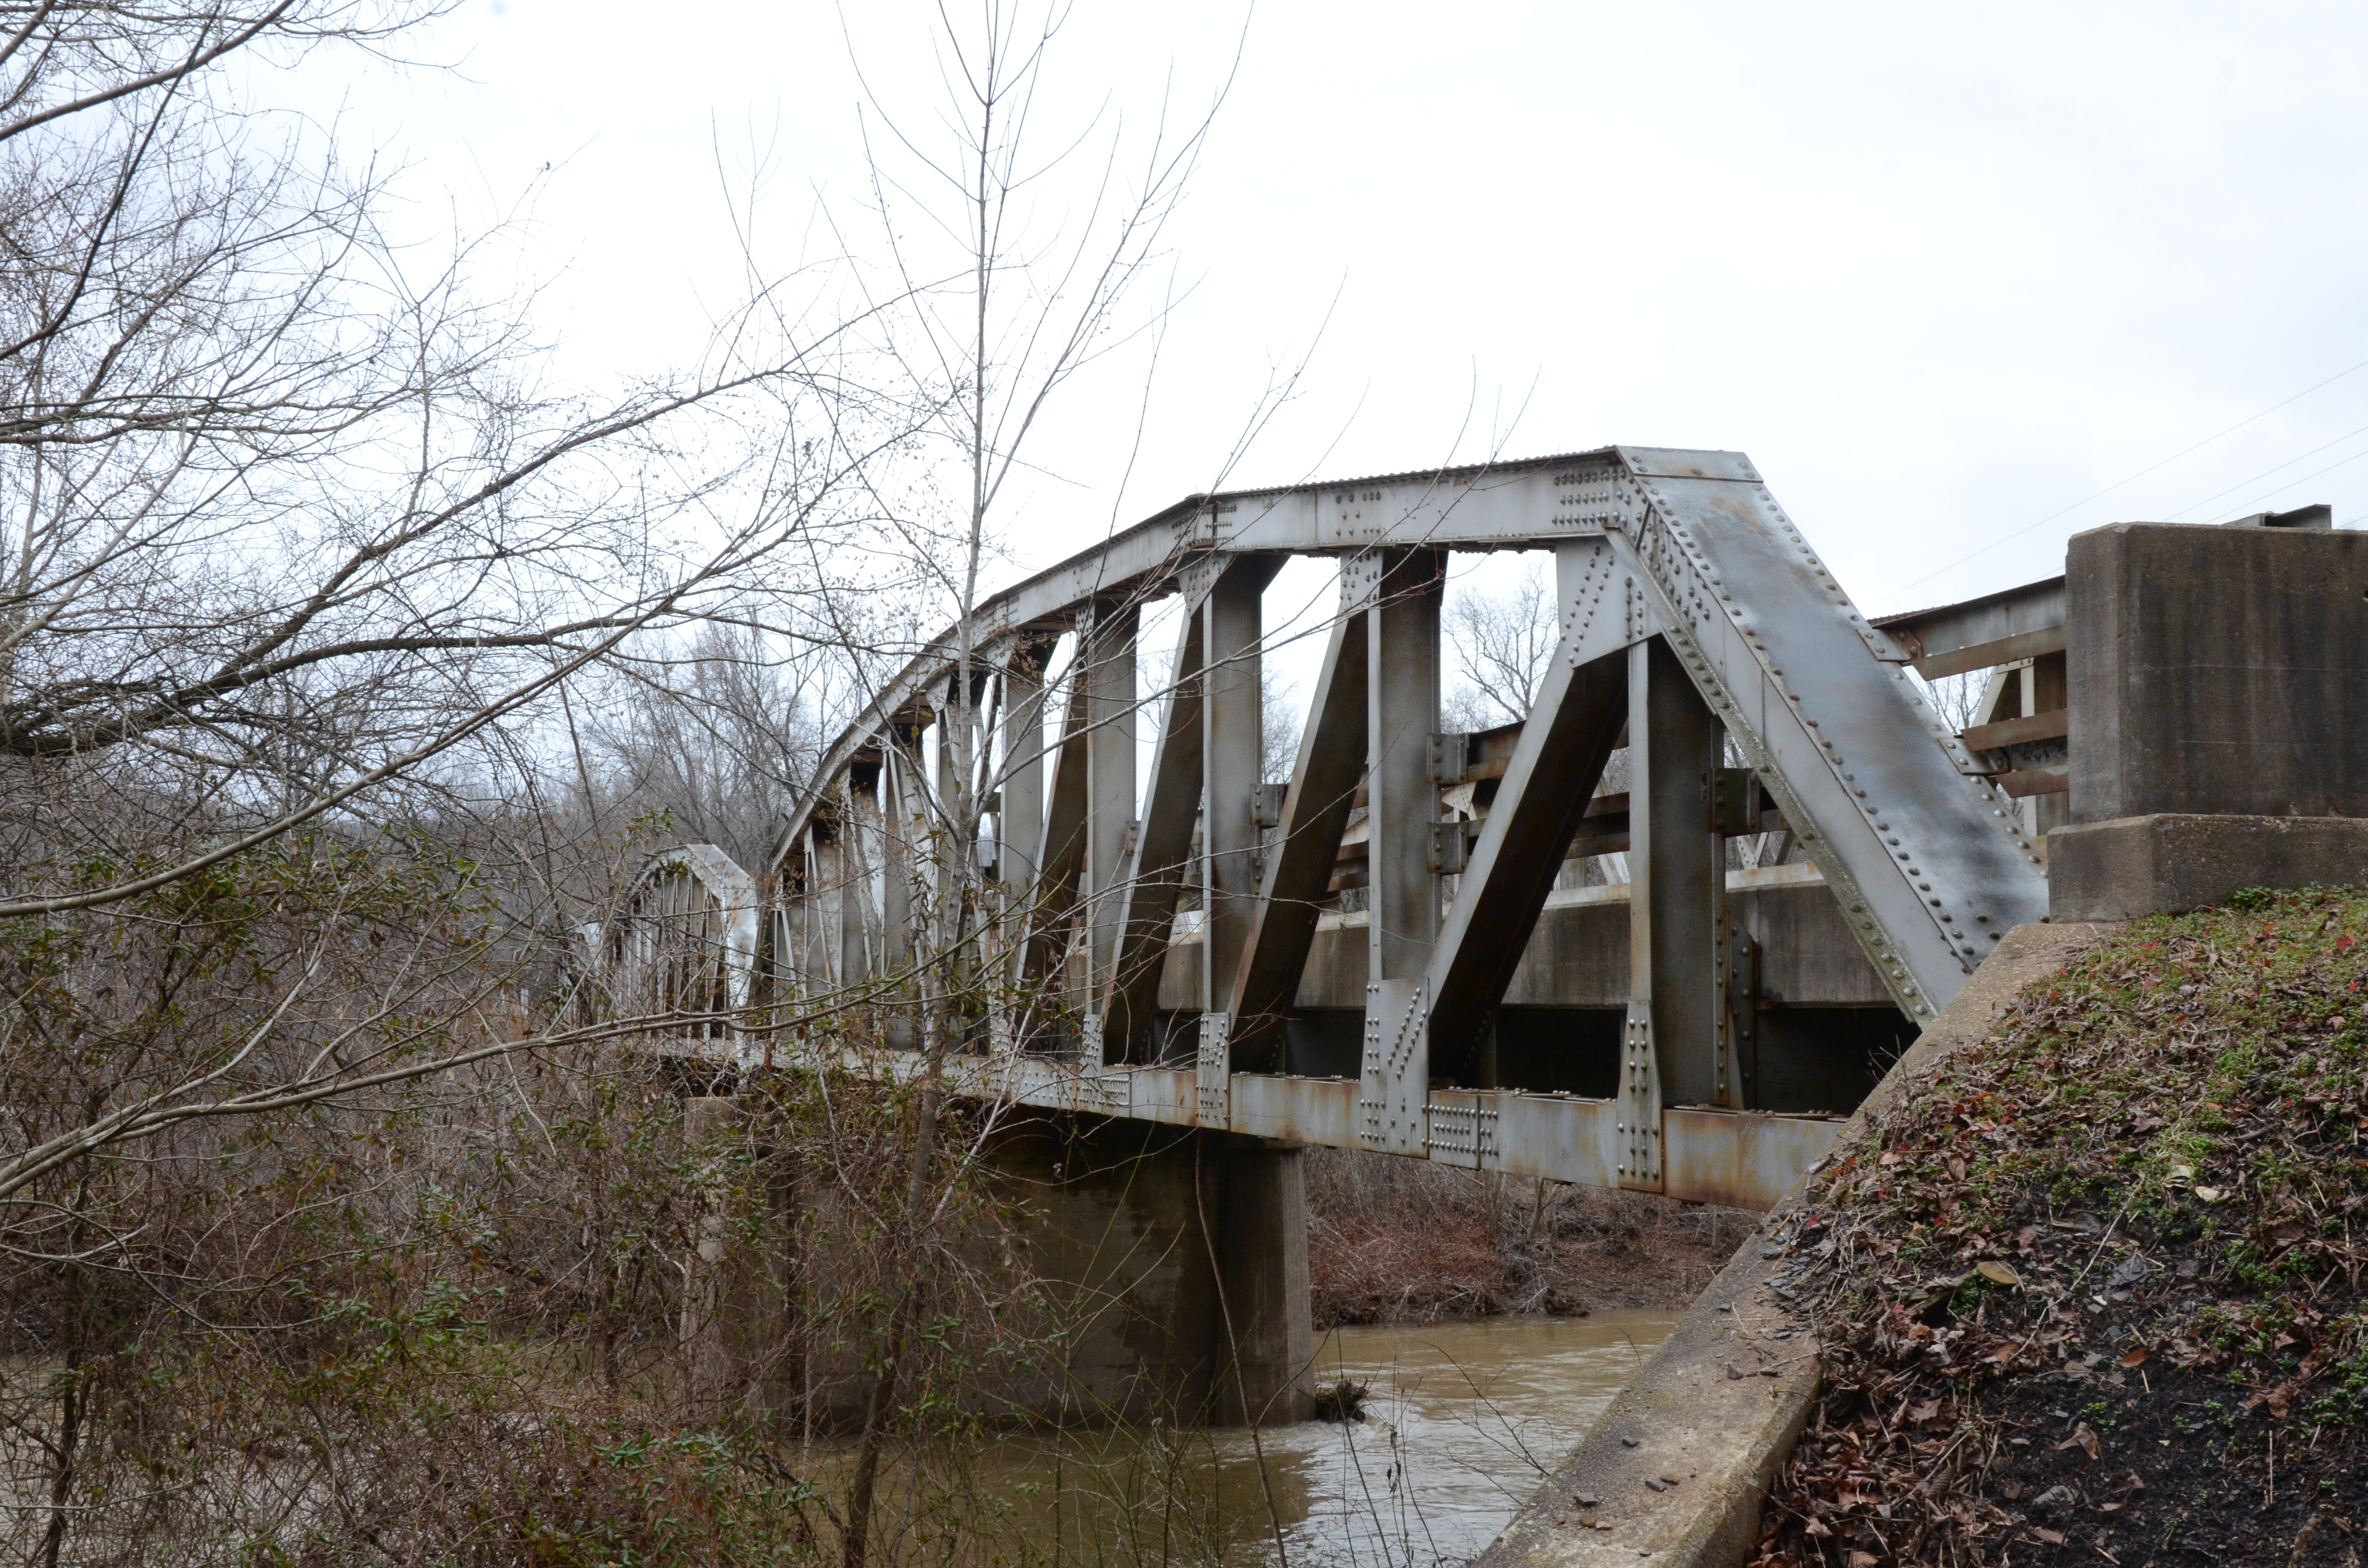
881,1411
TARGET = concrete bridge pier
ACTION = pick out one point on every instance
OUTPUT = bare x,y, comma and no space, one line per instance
1175,1260
739,1316
1179,1262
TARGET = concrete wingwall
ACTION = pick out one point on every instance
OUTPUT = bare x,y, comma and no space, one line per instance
1720,1405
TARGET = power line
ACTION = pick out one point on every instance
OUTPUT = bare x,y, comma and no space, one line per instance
2267,471
2133,479
2307,478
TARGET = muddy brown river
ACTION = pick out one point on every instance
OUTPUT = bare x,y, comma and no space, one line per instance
1462,1420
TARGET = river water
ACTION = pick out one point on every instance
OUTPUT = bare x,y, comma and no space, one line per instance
1462,1421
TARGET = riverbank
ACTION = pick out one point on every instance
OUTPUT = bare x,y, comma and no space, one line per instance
1397,1241
2097,1292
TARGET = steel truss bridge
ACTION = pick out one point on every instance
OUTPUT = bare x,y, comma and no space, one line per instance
1172,923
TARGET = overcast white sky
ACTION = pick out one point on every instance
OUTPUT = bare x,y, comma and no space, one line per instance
1944,277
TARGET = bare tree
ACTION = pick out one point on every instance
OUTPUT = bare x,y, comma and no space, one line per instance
1956,697
420,1318
283,514
1007,309
1501,644
297,539
1280,726
719,737
320,1171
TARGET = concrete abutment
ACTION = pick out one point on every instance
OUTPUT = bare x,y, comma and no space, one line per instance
2216,679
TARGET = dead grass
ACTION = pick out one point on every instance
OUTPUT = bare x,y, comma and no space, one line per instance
1393,1240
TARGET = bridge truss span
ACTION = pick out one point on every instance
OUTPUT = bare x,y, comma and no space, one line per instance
1184,947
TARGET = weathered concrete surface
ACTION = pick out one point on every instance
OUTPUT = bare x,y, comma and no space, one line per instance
2216,678
1577,957
2171,862
1809,957
1261,1240
739,1310
2216,669
1716,1411
1154,1240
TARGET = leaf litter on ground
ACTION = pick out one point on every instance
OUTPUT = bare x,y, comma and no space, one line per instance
2095,1292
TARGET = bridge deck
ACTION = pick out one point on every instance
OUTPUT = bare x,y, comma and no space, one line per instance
1744,1159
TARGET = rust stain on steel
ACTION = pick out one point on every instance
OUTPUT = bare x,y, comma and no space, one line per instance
1297,1110
1982,655
1742,1159
1165,1094
1565,1137
2052,725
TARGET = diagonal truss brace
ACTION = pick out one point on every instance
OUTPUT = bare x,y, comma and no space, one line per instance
1314,816
1927,863
1050,898
1163,845
1574,723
